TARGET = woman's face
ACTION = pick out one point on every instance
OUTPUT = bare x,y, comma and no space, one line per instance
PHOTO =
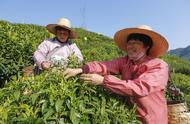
136,49
62,35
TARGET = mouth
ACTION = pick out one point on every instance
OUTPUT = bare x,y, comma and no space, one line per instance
63,40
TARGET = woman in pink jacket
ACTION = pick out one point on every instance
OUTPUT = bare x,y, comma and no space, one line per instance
59,48
144,75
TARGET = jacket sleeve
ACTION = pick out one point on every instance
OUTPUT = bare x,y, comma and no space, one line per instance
40,53
153,79
104,68
77,52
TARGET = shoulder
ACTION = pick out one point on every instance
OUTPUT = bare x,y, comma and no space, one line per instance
156,62
71,42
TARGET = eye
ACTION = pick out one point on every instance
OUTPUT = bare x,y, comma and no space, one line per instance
133,43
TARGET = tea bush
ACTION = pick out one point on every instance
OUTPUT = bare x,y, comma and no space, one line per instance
49,98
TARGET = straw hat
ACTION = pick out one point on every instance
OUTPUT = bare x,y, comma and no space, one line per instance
64,23
159,46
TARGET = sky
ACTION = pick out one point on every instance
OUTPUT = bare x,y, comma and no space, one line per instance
170,18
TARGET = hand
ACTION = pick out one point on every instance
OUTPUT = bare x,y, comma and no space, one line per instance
71,72
46,65
95,79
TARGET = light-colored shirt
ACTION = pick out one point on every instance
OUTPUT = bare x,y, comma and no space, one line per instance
64,51
144,83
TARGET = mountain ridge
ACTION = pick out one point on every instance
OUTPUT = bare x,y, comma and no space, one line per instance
181,52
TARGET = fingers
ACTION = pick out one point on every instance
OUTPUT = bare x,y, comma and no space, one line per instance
95,79
70,73
46,65
86,77
65,72
67,76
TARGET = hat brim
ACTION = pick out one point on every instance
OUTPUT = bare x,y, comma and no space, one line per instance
51,29
159,46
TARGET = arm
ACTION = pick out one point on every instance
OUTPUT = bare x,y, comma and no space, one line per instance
101,68
105,67
40,53
153,79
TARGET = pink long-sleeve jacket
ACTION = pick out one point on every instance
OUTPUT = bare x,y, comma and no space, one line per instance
65,50
144,83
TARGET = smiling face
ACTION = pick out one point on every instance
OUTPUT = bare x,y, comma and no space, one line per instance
62,35
138,46
136,49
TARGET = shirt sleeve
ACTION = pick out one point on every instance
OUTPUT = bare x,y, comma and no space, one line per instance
40,53
104,68
153,79
77,52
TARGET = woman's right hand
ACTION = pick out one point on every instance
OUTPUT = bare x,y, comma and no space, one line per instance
69,72
46,65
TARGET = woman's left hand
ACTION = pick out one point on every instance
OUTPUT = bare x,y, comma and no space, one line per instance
95,79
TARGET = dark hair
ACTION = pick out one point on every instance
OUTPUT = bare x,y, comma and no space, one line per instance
58,28
147,41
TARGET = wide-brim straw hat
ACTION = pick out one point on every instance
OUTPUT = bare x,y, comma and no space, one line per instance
64,23
159,45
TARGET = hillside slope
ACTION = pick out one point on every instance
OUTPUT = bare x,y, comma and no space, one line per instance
181,52
19,41
49,98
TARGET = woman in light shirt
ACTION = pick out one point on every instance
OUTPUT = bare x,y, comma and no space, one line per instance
58,48
144,75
